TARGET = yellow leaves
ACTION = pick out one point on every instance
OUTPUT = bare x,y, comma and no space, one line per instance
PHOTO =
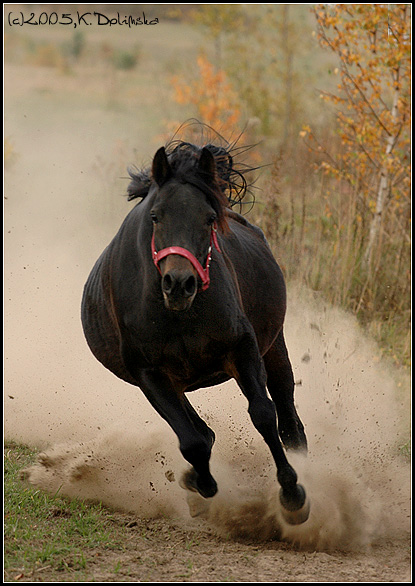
353,58
305,131
372,205
327,168
373,96
211,94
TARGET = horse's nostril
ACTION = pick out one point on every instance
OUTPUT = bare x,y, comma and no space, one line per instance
177,284
189,286
167,283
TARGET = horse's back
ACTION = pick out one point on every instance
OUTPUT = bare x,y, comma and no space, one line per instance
244,222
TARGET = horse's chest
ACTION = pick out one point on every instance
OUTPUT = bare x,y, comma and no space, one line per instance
187,357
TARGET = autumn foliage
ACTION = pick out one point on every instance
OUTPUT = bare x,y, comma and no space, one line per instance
211,96
367,161
373,46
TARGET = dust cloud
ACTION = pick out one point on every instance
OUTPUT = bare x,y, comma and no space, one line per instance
358,486
102,441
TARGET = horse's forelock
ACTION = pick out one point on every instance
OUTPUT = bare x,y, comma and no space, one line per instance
184,159
225,188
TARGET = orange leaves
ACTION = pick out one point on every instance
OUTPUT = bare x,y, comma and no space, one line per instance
372,43
305,131
212,96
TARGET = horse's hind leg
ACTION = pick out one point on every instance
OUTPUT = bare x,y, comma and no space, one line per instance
195,437
247,366
280,383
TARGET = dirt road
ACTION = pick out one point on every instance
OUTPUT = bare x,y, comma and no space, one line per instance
169,551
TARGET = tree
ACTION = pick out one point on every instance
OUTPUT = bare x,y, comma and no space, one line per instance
214,100
373,45
218,20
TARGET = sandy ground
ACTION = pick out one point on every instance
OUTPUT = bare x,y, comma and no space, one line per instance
102,441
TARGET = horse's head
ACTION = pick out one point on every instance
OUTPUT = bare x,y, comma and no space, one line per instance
186,211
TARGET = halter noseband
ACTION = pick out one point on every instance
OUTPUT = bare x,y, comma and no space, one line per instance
202,272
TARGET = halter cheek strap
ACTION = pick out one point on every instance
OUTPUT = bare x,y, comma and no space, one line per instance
202,272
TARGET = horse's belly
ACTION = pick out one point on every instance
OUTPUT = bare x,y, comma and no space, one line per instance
209,381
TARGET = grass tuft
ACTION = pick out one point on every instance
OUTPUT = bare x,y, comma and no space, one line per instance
43,531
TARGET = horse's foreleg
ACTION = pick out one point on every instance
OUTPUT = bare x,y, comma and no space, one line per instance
280,383
247,367
195,437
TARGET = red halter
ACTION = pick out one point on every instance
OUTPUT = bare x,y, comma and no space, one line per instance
202,272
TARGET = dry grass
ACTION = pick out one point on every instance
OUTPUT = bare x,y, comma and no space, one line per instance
319,232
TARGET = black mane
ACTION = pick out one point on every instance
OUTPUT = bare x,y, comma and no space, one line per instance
183,157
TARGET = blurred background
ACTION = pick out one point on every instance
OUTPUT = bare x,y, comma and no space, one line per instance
322,90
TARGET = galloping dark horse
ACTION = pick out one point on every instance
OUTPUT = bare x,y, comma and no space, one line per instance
188,295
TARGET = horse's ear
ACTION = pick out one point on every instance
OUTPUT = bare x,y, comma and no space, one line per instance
207,163
161,169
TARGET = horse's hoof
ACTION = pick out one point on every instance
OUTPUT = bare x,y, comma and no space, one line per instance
297,517
188,480
191,481
295,511
198,506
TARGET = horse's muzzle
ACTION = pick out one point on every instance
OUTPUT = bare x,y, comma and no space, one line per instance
179,289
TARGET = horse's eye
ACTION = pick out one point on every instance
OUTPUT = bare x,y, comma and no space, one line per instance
154,217
211,219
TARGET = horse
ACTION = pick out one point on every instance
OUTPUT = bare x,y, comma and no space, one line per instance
188,295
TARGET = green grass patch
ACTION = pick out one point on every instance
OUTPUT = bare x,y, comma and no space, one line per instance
49,532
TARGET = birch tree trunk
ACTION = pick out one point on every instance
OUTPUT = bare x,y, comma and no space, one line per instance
384,182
